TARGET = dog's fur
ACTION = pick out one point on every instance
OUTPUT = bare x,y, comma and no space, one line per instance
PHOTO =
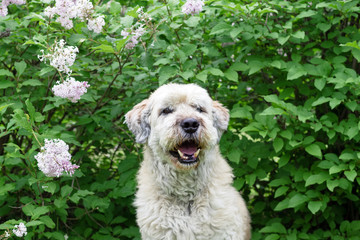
176,200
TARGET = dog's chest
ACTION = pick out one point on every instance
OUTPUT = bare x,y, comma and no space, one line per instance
195,219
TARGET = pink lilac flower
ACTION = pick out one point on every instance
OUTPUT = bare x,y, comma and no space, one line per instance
61,57
192,7
20,230
96,24
70,89
54,158
5,3
135,35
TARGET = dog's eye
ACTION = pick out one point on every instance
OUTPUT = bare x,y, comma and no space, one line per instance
167,110
200,109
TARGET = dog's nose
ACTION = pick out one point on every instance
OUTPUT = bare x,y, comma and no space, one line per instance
190,125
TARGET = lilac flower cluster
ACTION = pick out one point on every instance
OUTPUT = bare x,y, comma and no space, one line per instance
70,89
61,58
135,35
19,230
96,24
5,3
67,10
193,7
137,30
54,158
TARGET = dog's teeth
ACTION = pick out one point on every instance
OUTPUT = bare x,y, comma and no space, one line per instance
181,154
197,153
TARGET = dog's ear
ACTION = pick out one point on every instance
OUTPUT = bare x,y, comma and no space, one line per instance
221,116
137,120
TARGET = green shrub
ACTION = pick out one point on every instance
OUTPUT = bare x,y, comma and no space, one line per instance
287,70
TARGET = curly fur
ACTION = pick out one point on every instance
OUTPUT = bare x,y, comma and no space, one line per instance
184,202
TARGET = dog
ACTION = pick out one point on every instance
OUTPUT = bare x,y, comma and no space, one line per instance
184,184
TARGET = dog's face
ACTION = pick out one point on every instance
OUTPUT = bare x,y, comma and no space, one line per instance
179,123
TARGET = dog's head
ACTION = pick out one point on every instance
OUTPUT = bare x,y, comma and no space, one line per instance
179,123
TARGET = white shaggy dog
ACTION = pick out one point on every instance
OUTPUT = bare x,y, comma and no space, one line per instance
184,184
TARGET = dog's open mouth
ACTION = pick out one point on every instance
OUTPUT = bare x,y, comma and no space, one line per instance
187,152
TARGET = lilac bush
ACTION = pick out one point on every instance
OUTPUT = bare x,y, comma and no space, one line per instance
70,69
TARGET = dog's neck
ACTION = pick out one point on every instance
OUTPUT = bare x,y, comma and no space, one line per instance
183,186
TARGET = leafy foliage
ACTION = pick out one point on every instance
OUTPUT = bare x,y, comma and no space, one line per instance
287,70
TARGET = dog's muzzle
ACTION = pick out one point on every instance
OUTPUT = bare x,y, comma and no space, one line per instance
187,152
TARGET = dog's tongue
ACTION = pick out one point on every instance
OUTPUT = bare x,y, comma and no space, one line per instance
188,148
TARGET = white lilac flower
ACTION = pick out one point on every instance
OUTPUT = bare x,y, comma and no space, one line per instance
192,7
248,89
61,57
135,35
96,24
67,10
7,234
5,3
20,230
54,158
84,9
70,89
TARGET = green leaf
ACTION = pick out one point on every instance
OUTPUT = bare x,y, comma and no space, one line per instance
314,150
337,168
324,27
321,100
47,221
20,67
5,189
6,84
305,14
120,44
40,211
65,191
104,48
4,72
298,34
278,144
215,72
314,206
234,155
202,76
32,82
221,28
165,73
297,200
317,179
272,111
272,237
22,120
356,54
33,223
281,191
231,75
49,187
320,83
283,40
30,109
351,175
255,66
193,21
274,228
188,49
241,112
331,184
295,72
